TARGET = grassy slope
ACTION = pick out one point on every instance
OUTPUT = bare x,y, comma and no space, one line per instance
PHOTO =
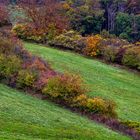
23,117
104,80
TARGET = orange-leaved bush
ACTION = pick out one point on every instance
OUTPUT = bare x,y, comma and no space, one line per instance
29,32
92,45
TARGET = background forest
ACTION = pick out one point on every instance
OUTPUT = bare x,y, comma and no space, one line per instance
118,17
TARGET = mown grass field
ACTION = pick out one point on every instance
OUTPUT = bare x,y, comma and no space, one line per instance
23,117
104,80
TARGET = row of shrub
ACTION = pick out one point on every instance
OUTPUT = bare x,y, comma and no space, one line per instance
106,46
20,69
29,32
110,48
69,89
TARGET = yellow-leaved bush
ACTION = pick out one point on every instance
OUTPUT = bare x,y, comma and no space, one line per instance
64,87
9,65
26,78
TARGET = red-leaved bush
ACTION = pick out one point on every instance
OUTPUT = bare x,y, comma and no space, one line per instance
46,20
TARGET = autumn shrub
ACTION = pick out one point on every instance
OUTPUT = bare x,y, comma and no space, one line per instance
92,45
28,70
110,108
80,101
95,105
43,79
69,89
9,65
120,54
65,87
36,64
110,53
132,124
19,30
112,49
69,40
101,106
26,78
29,32
112,42
131,57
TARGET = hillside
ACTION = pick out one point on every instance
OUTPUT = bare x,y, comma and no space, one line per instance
69,70
104,80
23,117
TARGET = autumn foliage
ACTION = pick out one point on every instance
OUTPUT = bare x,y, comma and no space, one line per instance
92,45
43,16
20,69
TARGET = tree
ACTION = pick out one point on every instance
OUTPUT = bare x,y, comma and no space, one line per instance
112,7
124,24
86,16
45,14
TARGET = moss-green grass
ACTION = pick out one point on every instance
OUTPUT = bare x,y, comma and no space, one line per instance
23,117
104,80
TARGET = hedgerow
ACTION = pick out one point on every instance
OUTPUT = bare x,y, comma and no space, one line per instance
69,89
110,48
132,124
69,40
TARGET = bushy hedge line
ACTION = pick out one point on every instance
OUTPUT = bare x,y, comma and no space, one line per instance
22,70
69,88
69,40
110,48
